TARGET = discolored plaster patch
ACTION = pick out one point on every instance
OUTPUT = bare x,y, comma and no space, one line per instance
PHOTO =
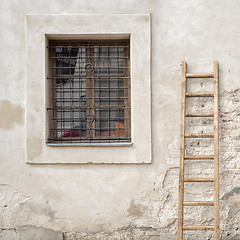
48,211
11,114
136,210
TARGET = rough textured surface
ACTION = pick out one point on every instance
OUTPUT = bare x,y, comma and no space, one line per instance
30,233
124,202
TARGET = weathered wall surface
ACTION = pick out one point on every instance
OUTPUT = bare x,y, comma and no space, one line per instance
74,202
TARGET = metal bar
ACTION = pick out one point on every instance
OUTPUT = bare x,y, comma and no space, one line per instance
85,107
89,139
88,91
84,129
128,92
109,112
85,76
92,92
118,85
104,108
52,124
80,85
97,88
71,94
87,57
102,98
96,68
96,118
82,46
100,94
62,104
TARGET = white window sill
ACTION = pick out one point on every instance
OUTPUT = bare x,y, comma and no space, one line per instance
89,144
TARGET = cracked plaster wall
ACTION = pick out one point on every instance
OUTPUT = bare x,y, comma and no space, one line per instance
126,201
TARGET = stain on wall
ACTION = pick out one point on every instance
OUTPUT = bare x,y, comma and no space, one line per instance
11,114
136,210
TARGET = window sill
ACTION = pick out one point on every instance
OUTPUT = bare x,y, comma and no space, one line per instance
89,144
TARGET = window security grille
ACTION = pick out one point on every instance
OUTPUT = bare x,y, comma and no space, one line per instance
90,91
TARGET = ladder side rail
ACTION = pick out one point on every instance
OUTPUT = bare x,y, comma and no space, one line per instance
216,153
182,153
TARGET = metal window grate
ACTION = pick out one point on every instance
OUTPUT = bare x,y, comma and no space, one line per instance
90,91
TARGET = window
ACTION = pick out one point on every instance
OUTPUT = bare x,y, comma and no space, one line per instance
75,51
89,91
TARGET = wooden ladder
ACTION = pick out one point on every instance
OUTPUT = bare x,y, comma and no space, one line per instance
184,157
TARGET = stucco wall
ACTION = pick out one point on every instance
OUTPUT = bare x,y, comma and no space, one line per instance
124,201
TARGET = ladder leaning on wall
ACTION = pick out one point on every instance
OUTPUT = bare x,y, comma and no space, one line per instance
184,158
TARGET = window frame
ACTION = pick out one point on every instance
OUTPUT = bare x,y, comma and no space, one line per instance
90,79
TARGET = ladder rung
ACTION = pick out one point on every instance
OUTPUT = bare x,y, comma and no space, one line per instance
198,179
199,114
197,157
208,203
199,95
199,75
199,136
199,227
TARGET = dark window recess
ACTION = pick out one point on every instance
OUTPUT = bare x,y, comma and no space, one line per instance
90,91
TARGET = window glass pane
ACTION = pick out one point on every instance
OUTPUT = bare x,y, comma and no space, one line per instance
70,60
109,60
